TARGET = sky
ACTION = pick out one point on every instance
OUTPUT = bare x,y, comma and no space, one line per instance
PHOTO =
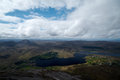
60,19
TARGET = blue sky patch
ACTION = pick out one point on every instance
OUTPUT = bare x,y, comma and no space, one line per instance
6,22
47,13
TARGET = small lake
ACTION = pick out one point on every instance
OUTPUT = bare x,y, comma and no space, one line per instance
105,54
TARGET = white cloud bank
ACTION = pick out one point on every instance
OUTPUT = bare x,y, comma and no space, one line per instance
92,19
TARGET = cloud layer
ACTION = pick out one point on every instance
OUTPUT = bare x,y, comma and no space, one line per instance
91,19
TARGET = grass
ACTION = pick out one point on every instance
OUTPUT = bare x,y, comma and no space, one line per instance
48,55
64,54
29,68
101,60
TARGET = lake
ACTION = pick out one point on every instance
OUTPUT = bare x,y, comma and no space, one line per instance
77,59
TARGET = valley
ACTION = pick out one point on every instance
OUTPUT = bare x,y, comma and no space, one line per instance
46,60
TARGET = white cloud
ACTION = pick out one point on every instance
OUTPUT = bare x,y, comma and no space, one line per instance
10,19
92,19
6,30
98,19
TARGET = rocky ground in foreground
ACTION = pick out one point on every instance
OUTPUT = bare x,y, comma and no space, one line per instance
41,74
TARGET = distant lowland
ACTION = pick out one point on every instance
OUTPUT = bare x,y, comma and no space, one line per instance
59,60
